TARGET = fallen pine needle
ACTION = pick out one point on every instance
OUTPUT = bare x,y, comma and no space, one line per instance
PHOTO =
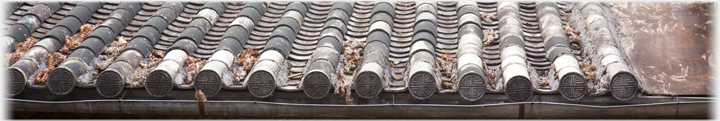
295,75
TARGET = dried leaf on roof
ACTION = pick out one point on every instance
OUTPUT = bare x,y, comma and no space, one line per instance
24,46
352,51
588,69
543,82
489,35
493,77
572,34
111,52
246,59
447,65
53,60
114,49
351,58
193,67
144,69
488,18
153,59
75,40
20,50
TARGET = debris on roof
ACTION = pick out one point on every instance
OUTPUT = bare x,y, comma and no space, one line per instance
75,40
20,49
